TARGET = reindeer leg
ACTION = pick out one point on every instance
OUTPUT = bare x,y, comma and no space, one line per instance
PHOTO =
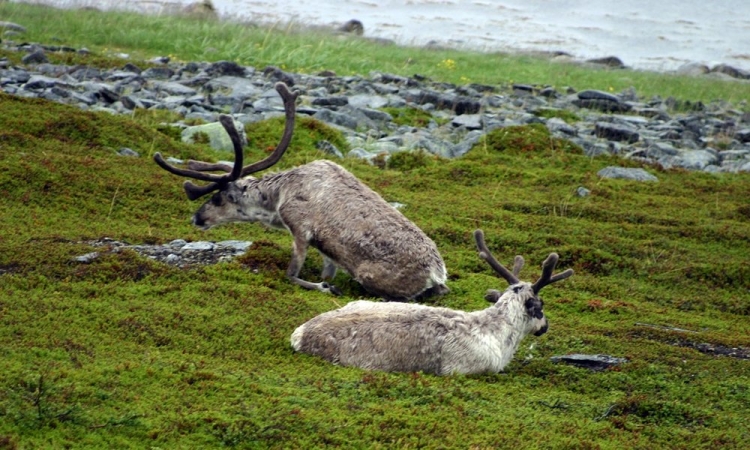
329,271
329,268
299,253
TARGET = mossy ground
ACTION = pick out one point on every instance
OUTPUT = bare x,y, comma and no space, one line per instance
129,353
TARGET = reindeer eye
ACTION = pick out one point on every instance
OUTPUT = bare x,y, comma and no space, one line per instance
216,199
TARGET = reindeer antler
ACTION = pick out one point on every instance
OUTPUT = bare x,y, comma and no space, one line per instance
547,278
512,277
485,254
197,169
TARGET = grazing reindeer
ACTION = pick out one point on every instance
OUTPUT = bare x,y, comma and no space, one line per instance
324,206
408,337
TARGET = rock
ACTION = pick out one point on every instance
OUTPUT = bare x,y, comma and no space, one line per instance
693,69
558,125
331,101
131,102
88,258
217,136
609,61
328,148
173,88
672,133
238,246
743,135
36,82
128,152
368,101
12,26
358,152
731,71
458,104
698,159
275,74
582,192
615,132
592,362
468,121
178,252
226,68
36,57
200,10
177,244
601,101
336,118
626,173
158,73
353,26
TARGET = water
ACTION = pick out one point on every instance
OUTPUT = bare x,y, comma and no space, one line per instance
645,34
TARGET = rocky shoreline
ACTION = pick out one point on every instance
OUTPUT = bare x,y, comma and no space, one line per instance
712,138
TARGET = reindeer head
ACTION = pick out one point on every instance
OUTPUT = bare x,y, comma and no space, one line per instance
522,291
237,199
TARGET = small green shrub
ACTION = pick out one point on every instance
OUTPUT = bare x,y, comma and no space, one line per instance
409,116
407,161
564,114
534,138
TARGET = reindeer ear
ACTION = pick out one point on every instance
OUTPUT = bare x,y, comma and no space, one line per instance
492,295
534,308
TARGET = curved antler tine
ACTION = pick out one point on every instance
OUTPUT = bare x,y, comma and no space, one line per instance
228,123
486,255
197,169
208,167
194,191
289,99
547,278
186,172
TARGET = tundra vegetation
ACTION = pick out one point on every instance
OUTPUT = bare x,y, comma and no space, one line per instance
129,353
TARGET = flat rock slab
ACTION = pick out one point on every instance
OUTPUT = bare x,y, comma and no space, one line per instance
176,253
591,362
628,173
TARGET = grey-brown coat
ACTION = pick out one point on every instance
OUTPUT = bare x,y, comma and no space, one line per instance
407,337
324,206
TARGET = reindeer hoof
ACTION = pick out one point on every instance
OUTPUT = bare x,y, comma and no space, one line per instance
330,289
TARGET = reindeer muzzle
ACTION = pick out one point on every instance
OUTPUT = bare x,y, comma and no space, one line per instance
542,330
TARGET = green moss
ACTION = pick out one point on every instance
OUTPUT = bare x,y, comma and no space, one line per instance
409,116
408,161
155,117
264,136
564,114
533,139
74,58
200,138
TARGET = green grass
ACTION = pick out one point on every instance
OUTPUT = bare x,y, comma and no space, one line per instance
183,39
129,353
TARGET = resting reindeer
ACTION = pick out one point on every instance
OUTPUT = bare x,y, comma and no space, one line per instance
324,206
407,337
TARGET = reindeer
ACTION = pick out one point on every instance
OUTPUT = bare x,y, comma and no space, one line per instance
324,206
408,337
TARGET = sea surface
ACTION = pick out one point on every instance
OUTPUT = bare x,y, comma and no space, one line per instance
644,34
